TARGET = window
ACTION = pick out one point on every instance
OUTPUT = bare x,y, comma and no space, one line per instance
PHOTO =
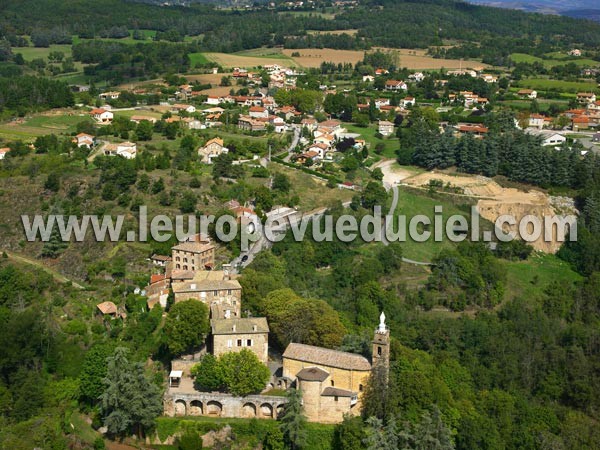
378,351
360,388
228,291
178,266
215,293
332,383
249,343
229,343
336,398
239,342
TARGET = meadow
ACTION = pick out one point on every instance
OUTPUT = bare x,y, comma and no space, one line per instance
551,62
544,84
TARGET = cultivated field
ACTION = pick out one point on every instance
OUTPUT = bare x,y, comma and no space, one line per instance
236,60
411,59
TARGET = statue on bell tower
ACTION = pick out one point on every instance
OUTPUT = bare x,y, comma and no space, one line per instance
381,343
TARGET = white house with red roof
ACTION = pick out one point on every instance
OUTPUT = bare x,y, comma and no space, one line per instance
395,85
102,116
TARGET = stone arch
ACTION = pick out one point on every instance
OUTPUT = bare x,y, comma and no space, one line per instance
195,408
279,410
180,407
214,408
249,410
266,410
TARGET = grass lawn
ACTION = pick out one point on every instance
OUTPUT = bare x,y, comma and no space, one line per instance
138,112
529,278
522,57
543,84
368,134
41,125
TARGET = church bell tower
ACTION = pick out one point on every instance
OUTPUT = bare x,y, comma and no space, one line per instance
381,344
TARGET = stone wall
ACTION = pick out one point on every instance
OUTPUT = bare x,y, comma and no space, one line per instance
222,405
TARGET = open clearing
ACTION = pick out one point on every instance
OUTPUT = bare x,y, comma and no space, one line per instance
53,122
495,200
350,32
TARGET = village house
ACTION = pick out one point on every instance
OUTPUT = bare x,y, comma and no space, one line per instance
527,93
475,130
574,52
246,217
586,97
235,334
138,119
310,123
102,116
594,107
247,123
114,95
380,102
84,140
368,78
395,85
160,260
212,149
195,253
127,150
107,309
257,112
380,71
580,123
385,128
407,101
489,78
537,121
215,289
417,76
3,152
180,107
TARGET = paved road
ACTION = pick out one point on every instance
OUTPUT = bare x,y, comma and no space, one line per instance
293,145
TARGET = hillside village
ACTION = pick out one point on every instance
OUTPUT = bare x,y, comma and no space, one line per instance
331,381
299,112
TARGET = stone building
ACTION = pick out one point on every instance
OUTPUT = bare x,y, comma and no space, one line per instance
332,381
215,289
232,335
196,253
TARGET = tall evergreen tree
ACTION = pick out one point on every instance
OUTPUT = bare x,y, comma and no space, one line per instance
130,401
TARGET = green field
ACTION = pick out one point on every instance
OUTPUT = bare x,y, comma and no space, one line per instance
368,134
411,203
528,279
40,126
31,53
197,58
263,53
522,57
543,84
543,105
